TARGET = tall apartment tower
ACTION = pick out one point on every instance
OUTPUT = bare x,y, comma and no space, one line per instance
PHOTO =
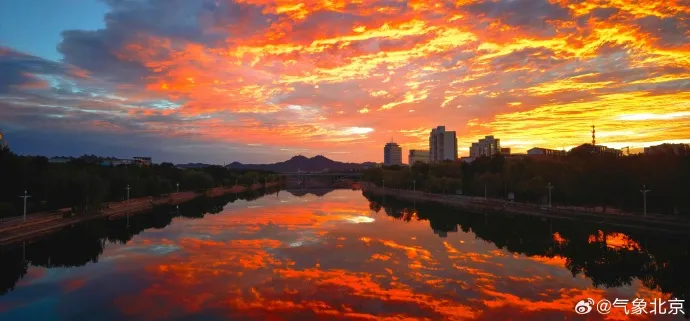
443,145
392,154
487,146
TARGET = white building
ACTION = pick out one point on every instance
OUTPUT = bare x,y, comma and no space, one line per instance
443,145
417,155
392,154
487,146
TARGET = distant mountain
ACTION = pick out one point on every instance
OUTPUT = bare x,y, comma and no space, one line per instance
193,165
302,163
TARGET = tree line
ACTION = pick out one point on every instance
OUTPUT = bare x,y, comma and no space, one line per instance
84,183
604,181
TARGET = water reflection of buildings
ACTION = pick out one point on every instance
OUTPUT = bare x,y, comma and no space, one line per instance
444,233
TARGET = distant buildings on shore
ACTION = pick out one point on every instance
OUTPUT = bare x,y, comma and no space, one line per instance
139,161
443,146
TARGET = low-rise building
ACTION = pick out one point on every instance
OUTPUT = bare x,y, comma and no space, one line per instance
668,149
538,151
117,162
142,161
59,160
505,150
418,155
595,150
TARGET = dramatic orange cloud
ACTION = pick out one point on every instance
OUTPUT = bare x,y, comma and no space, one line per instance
345,76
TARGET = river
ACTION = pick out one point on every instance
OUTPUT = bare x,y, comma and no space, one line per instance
338,255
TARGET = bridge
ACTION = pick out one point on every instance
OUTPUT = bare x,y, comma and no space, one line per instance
324,174
321,179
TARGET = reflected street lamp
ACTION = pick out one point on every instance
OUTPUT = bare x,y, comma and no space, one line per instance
25,196
550,187
644,192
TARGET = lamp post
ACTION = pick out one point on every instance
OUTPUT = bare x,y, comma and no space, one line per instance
25,196
644,192
414,185
384,183
178,186
485,192
128,191
550,187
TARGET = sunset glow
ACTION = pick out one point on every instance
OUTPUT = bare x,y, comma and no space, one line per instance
258,80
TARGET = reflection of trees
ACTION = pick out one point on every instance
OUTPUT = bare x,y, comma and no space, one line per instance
12,269
659,262
85,242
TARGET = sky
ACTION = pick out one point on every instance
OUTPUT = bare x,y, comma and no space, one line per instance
259,81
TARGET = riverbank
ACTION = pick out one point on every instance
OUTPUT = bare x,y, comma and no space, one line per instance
676,225
38,224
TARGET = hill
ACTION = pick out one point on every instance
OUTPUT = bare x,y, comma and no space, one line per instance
302,163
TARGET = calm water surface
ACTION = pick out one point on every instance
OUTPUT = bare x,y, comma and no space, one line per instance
340,256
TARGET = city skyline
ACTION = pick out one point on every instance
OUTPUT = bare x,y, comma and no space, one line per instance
260,81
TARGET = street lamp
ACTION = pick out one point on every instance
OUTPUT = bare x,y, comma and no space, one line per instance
128,192
414,185
178,186
384,183
485,192
550,187
644,191
25,196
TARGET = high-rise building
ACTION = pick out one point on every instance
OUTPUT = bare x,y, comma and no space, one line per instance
443,145
417,155
487,146
392,154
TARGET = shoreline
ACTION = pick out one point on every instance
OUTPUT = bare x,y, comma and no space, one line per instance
44,223
652,222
